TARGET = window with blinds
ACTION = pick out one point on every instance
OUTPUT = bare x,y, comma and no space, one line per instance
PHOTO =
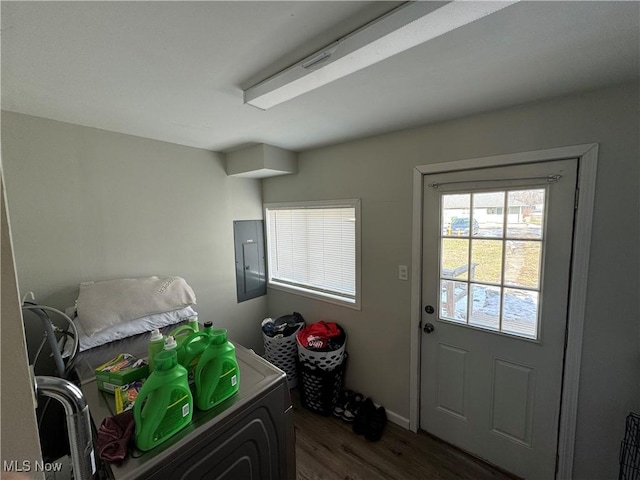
313,249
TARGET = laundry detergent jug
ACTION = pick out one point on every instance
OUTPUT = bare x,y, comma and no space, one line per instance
164,404
182,334
217,373
193,347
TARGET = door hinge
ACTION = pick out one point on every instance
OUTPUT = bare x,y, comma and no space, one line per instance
577,199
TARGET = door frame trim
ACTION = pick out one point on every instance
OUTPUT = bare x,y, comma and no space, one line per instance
587,155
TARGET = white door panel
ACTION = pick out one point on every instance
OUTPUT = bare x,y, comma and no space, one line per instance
496,262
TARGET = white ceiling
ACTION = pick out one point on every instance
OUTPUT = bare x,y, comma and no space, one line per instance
175,71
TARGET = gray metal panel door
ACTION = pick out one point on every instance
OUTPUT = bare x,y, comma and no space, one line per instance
250,264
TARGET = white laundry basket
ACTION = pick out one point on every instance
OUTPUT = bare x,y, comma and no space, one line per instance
326,361
283,352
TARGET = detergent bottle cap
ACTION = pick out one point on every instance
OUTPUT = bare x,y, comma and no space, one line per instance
155,335
208,325
165,360
170,343
219,337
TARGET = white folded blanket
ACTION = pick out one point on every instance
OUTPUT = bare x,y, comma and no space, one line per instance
102,305
128,329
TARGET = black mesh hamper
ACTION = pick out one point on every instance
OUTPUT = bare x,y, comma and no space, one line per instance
322,375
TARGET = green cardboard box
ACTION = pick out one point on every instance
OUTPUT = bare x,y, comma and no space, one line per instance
123,369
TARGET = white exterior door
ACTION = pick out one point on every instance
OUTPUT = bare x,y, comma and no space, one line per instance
496,269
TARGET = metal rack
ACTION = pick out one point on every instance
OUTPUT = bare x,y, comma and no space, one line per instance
630,449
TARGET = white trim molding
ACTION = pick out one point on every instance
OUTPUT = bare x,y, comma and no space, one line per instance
587,155
398,419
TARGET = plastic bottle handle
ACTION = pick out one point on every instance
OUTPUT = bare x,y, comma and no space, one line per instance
138,406
210,369
191,345
147,423
180,329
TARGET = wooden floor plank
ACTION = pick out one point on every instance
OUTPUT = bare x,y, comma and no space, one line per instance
327,449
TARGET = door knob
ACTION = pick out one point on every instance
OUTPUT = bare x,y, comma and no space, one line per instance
428,328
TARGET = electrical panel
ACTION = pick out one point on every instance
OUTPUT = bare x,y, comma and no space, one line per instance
250,264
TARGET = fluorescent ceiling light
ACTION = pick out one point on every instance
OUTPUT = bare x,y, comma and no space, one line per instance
401,29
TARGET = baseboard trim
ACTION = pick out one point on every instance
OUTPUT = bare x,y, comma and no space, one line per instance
393,417
399,420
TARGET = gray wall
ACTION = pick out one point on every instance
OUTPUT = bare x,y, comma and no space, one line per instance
88,204
379,171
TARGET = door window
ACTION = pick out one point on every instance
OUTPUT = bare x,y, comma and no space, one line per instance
490,261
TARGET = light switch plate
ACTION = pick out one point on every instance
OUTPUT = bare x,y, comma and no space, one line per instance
403,272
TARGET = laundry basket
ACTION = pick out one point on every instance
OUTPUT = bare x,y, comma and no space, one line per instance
323,360
282,352
322,376
630,449
320,388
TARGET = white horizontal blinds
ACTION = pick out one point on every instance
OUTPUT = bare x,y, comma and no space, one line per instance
314,248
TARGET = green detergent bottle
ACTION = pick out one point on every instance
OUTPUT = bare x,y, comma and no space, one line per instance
217,373
182,334
164,404
155,346
193,347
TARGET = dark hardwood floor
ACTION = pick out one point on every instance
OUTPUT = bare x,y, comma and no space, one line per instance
327,448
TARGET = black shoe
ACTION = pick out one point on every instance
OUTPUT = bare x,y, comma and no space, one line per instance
362,419
375,426
341,403
347,405
352,407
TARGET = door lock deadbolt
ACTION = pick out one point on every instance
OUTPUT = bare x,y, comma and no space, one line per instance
429,309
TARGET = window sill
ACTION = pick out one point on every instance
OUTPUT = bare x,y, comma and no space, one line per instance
355,305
